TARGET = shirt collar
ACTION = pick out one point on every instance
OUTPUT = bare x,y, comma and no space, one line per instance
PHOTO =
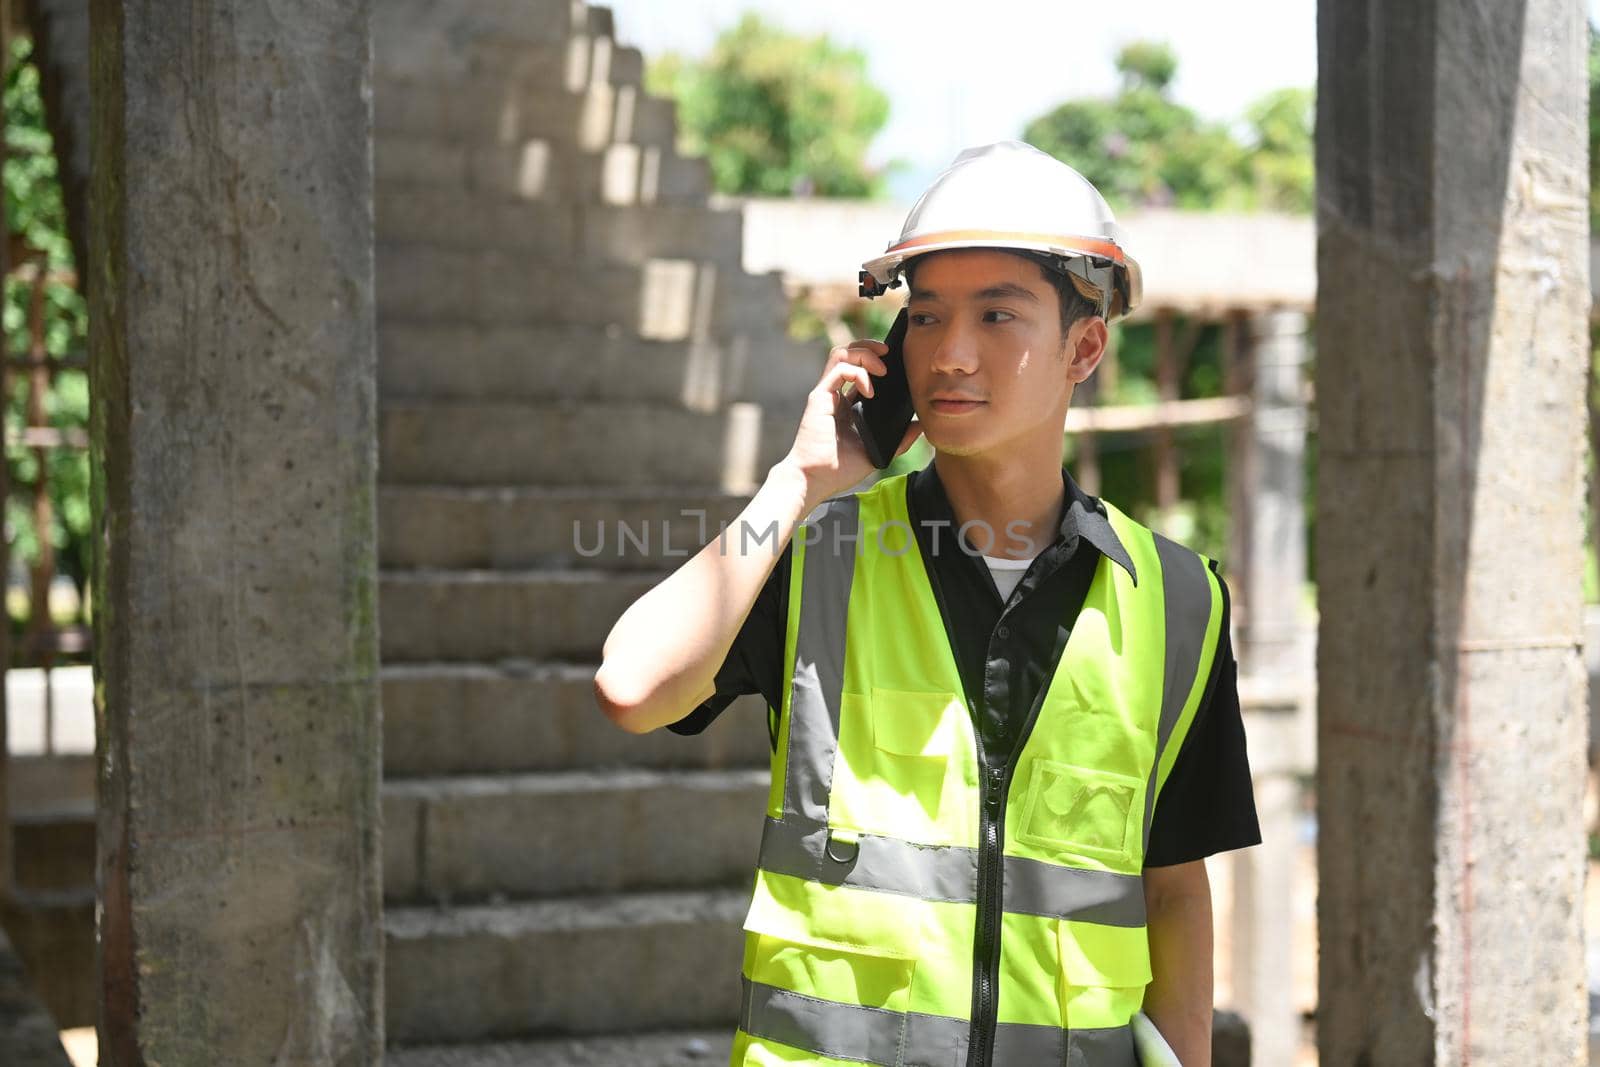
1083,517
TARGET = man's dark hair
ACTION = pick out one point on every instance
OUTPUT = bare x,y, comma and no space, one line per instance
1074,304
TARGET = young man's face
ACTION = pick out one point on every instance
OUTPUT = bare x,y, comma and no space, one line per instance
988,366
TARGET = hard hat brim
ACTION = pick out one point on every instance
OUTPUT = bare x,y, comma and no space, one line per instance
887,267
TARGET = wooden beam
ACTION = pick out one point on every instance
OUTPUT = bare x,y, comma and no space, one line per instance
1136,418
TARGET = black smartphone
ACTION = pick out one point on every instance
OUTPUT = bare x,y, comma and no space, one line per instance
882,418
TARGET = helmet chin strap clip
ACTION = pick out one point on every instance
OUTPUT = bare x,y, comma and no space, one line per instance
871,287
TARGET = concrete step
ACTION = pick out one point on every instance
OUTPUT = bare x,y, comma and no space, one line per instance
597,965
53,849
568,833
444,718
503,111
466,443
521,527
559,233
568,66
464,361
660,299
422,26
485,616
683,1048
535,170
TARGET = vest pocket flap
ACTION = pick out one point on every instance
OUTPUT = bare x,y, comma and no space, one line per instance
815,967
1111,956
914,724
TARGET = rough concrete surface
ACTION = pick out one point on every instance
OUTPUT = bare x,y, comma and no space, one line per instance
441,719
590,964
1453,351
233,365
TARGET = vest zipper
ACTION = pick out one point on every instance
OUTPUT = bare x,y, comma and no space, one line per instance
986,945
991,871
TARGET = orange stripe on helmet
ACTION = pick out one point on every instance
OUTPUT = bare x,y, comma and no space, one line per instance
1088,245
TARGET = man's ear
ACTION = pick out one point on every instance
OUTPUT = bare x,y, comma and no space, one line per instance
1086,346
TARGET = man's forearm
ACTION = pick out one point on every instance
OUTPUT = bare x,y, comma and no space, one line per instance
1178,999
662,655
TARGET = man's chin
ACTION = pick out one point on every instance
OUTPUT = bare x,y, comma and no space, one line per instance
956,445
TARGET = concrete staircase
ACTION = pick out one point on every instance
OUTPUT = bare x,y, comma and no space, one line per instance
568,345
567,342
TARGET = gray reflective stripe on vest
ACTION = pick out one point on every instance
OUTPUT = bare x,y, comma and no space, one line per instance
819,660
912,1039
1034,887
1187,592
949,873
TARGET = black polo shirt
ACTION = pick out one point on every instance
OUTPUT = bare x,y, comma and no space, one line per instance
1006,651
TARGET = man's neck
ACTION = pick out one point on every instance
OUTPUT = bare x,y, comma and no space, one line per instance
1013,503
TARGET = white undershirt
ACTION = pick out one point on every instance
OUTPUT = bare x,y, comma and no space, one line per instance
1007,573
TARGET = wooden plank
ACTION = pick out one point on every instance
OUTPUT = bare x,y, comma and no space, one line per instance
1136,418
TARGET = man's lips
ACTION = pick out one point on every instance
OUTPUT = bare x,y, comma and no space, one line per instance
955,404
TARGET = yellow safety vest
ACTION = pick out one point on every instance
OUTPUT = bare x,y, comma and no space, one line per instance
890,845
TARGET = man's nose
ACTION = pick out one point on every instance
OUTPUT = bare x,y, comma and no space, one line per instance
956,351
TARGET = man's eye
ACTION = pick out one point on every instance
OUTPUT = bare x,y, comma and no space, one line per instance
919,318
996,315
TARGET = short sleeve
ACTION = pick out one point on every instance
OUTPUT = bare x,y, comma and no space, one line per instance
754,663
1208,803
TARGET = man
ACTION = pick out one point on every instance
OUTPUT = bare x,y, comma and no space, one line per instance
1007,727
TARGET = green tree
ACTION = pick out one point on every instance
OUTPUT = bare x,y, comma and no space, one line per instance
1148,63
1280,165
777,113
36,221
1141,148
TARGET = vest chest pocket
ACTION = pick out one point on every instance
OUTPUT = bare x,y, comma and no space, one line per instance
1085,812
904,767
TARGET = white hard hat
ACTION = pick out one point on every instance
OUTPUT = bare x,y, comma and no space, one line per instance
1011,195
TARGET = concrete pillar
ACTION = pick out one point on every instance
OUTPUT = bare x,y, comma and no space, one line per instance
1452,305
233,372
1271,641
1263,878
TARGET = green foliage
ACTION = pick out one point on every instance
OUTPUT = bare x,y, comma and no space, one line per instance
1143,149
1594,128
1147,63
1127,474
1280,165
36,219
777,113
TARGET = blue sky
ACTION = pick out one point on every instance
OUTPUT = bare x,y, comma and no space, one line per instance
960,73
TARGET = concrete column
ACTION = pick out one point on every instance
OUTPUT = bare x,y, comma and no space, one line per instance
233,373
1274,565
1263,878
1452,359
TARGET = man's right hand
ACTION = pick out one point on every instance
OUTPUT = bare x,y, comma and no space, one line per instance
827,454
661,657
